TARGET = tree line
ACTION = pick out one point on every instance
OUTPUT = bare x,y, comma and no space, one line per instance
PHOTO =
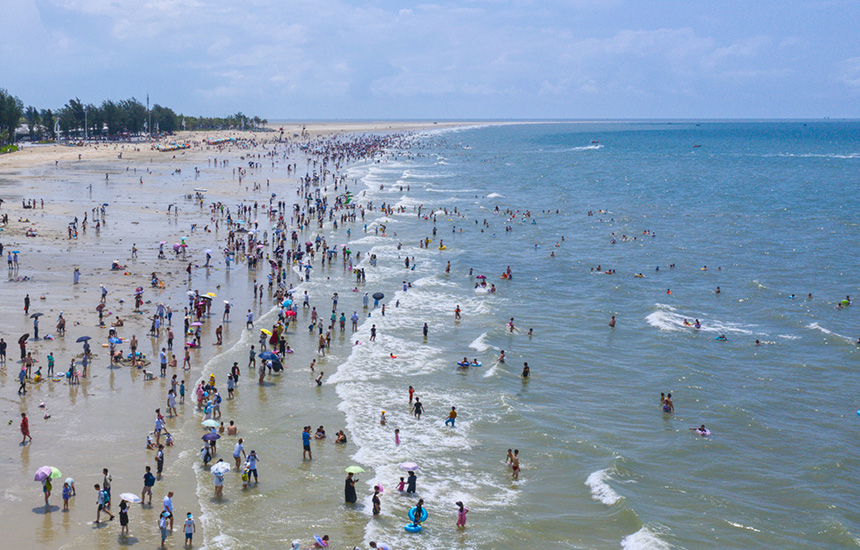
110,120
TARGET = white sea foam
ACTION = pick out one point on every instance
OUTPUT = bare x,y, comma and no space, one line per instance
644,539
480,344
742,526
665,318
818,327
494,196
600,490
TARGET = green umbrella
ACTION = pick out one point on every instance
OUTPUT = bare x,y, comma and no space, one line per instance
355,470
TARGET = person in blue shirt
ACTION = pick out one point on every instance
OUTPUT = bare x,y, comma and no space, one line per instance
306,443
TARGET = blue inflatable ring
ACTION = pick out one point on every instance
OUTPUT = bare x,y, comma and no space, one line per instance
423,514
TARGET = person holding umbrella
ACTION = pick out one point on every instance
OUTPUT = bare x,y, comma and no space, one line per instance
349,489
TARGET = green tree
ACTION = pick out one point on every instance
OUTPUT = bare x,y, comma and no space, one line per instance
48,120
112,117
11,111
33,120
133,115
164,119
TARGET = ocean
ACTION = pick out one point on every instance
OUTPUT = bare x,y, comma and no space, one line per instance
764,211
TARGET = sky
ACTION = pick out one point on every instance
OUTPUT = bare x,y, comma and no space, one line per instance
473,60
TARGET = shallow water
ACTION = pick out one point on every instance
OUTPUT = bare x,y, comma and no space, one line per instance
767,207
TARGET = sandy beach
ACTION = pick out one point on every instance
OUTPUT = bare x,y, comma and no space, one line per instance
103,421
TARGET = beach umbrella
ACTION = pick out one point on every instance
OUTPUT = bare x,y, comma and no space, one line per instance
266,332
16,252
210,423
196,324
276,365
320,541
23,338
36,315
114,340
175,246
287,303
208,251
162,242
290,313
46,472
83,339
100,307
378,295
481,277
211,295
409,466
355,470
220,468
130,497
268,356
211,437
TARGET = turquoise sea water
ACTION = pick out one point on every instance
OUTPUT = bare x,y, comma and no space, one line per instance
770,208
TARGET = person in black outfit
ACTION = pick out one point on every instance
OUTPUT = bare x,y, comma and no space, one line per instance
349,489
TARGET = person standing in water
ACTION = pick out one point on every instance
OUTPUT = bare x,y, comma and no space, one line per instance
349,489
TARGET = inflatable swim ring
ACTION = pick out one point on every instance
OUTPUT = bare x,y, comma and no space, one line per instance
412,528
703,433
443,247
465,364
478,364
423,514
845,303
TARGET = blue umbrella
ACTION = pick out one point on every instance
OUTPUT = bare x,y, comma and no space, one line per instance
268,356
114,340
84,339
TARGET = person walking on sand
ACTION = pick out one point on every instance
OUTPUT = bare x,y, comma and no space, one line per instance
102,502
25,429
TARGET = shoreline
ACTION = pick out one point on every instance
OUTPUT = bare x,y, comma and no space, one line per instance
115,413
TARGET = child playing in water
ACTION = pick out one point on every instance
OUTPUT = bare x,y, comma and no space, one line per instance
402,485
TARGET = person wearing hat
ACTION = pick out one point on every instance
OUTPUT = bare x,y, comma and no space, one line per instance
189,528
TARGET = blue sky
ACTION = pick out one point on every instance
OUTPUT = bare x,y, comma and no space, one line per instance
333,59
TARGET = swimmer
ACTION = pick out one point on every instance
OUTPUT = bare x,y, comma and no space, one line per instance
526,370
702,431
697,324
502,356
382,419
668,405
612,322
721,337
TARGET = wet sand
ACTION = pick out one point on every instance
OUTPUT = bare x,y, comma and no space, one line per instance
103,422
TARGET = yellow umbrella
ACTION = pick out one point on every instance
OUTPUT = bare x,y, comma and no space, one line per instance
211,295
264,331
